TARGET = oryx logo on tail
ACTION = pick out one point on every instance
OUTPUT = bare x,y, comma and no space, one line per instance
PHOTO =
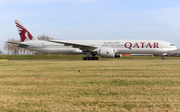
24,34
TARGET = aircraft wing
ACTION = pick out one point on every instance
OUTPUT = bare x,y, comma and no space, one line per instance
75,45
19,43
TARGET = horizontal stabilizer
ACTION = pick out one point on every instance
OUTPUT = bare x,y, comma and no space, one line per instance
18,43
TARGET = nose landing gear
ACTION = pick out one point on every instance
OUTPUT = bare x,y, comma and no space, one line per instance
163,58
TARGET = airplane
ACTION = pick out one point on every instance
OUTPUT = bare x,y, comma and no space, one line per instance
103,48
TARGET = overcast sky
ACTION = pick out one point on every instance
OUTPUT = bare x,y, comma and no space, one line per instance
93,19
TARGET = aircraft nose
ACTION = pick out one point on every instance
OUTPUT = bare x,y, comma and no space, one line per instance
175,48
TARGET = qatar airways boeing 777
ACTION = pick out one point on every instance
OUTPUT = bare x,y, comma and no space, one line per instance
104,48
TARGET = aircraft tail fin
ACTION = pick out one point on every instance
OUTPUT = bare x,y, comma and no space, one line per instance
24,33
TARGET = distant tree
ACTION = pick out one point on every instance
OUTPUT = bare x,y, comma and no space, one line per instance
45,37
1,52
10,48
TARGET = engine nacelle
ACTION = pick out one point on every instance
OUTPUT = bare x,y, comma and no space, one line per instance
107,52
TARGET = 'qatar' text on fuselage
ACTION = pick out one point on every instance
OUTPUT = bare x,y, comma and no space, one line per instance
130,45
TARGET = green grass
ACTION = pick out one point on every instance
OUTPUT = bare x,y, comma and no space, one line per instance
99,86
76,57
41,57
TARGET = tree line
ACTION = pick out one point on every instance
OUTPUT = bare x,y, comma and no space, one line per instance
11,49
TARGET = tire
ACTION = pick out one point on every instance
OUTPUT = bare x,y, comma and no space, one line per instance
96,58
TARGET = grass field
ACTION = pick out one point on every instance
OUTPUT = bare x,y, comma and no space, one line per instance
76,57
90,86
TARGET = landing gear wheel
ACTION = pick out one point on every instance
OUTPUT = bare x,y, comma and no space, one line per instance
90,58
96,58
163,57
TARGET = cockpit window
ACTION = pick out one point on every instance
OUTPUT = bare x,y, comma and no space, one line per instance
171,44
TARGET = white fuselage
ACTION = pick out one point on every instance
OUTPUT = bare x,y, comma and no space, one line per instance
121,46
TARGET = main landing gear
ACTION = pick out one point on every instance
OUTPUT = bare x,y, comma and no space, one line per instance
90,58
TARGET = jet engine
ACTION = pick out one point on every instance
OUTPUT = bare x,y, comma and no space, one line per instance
107,52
